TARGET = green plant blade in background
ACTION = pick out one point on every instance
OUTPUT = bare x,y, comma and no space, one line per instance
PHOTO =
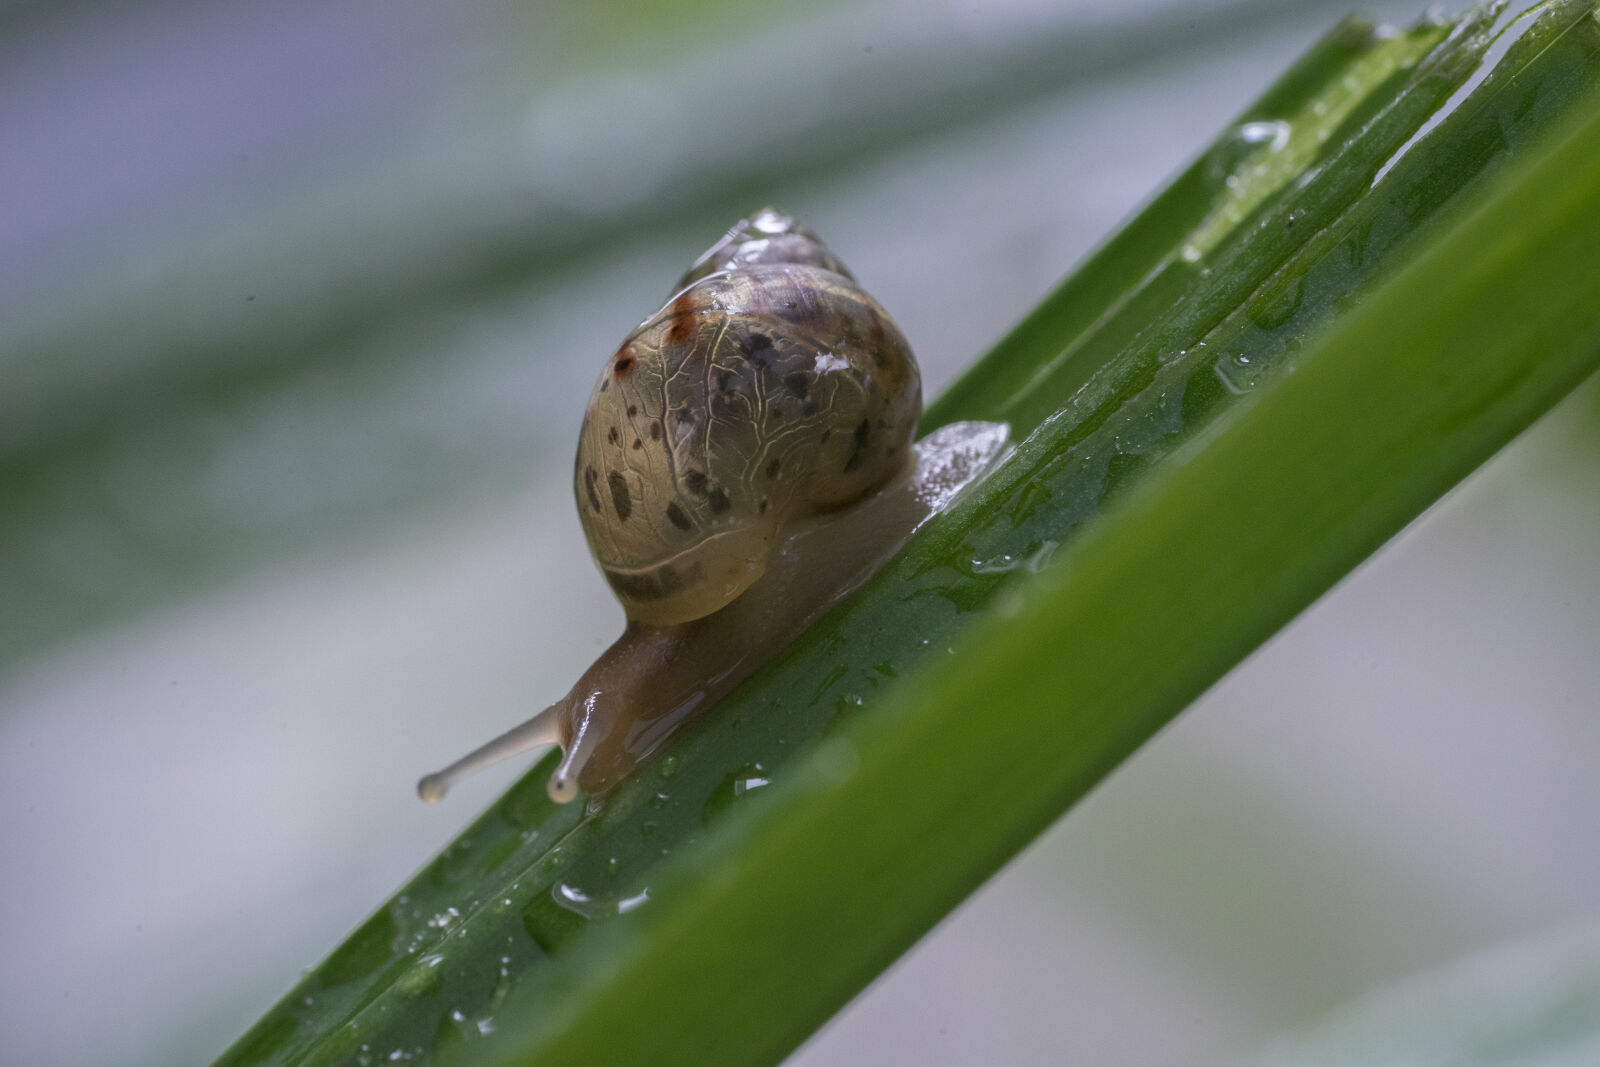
511,902
308,332
1532,1002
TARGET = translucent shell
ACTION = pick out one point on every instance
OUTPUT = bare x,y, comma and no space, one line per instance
769,388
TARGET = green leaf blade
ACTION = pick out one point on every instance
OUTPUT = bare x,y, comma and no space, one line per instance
511,904
1442,379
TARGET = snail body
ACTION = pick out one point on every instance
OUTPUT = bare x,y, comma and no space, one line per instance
746,460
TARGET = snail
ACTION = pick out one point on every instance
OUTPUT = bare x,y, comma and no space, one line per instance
745,461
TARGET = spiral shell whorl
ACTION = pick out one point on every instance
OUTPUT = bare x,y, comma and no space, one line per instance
768,388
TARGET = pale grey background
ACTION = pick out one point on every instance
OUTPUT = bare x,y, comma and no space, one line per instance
206,789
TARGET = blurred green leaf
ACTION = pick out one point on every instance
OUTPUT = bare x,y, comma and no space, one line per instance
794,841
1537,1002
301,371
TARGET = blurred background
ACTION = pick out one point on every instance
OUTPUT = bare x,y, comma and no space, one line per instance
299,306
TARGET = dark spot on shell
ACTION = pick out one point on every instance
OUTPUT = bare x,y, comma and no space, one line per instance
773,468
724,381
696,482
684,415
676,516
758,349
620,498
623,366
633,409
613,436
809,409
761,509
859,451
590,479
718,500
825,435
683,318
655,431
798,384
637,443
605,383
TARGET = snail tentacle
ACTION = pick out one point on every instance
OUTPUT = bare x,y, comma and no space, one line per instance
538,732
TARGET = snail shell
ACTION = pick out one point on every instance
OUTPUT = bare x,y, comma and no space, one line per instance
769,388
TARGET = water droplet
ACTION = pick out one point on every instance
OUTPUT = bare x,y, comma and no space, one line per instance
424,976
576,900
996,565
1035,559
669,766
1235,373
1274,133
1230,155
550,922
746,779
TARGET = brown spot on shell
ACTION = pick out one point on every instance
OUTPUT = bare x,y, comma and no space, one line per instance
621,499
718,501
683,313
633,409
655,431
590,479
798,384
676,516
613,436
637,444
696,482
773,468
